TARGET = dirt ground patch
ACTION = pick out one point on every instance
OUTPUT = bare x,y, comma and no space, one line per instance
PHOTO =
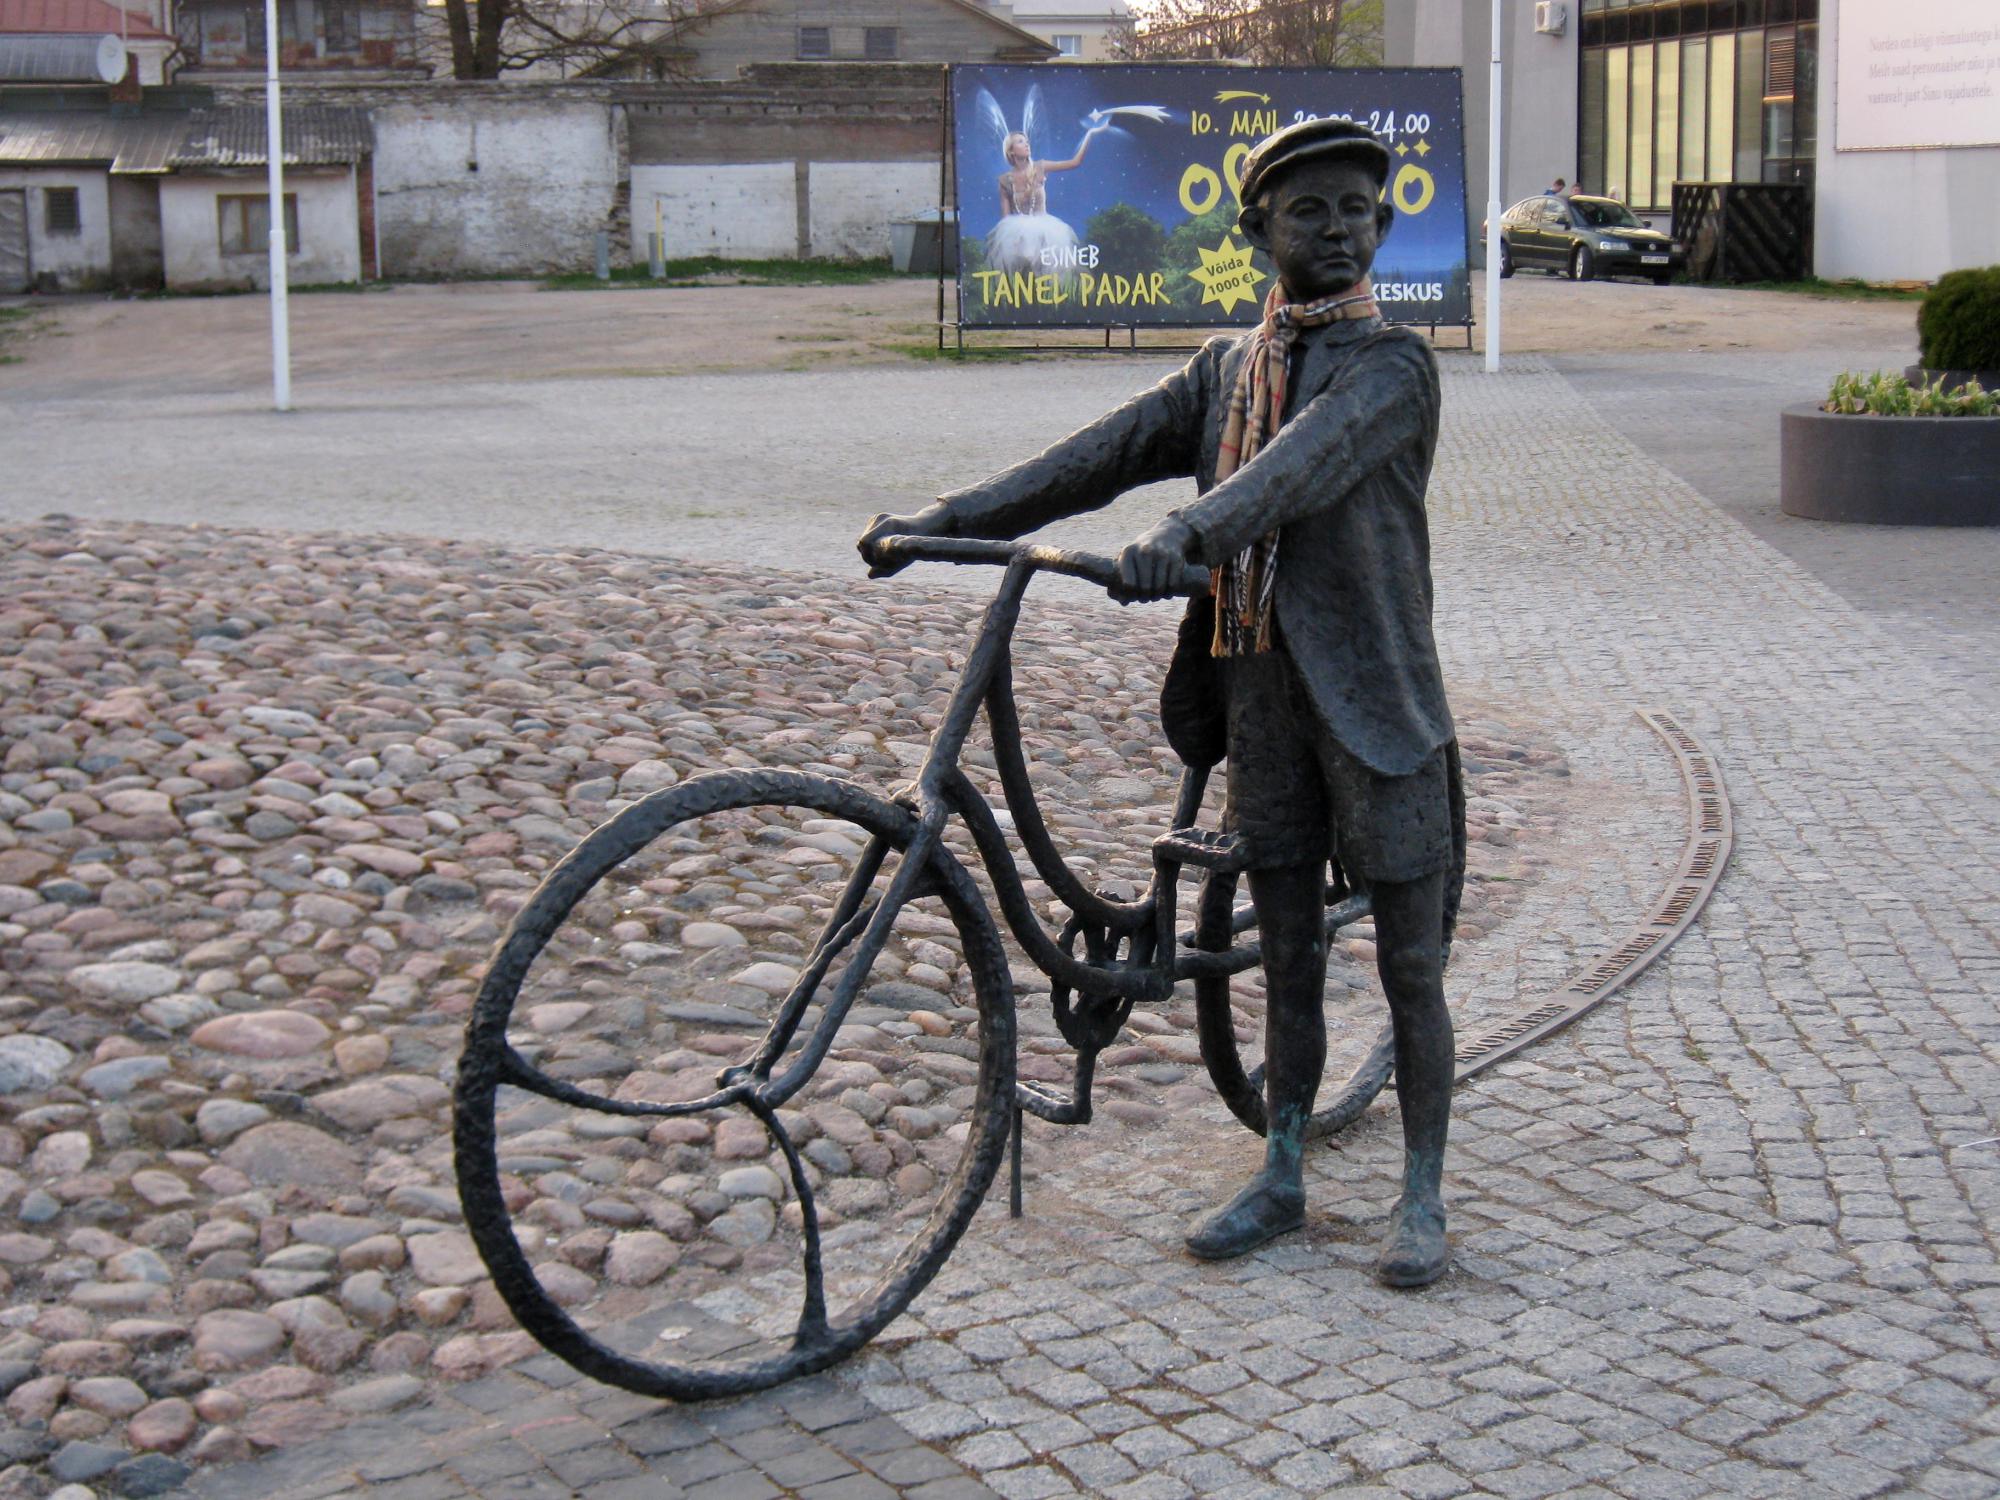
89,348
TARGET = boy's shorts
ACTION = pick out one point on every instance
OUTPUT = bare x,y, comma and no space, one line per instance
1297,796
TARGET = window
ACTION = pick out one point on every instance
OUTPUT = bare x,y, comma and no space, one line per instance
1694,113
1667,125
1068,46
815,42
61,213
878,44
1617,120
253,26
342,20
243,223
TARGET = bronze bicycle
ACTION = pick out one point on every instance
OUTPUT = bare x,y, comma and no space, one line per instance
1108,955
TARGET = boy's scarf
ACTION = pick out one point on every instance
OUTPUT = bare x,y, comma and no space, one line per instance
1246,585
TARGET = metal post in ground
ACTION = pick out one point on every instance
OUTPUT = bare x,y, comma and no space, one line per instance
274,149
603,255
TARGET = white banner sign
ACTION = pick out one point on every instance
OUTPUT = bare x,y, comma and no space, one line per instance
1916,73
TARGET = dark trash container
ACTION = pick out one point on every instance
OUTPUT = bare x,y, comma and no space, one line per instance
925,243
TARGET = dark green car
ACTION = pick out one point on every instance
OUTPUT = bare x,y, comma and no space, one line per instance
1582,238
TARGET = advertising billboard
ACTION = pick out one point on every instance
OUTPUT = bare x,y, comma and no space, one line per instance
1106,195
1915,73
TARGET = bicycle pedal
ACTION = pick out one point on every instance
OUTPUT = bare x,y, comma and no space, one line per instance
1209,849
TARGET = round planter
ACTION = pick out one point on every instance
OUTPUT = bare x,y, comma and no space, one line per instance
1989,380
1889,471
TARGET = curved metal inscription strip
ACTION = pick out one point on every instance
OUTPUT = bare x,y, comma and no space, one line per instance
1711,833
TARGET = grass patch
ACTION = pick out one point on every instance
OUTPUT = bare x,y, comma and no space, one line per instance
714,270
951,354
1842,291
292,289
17,325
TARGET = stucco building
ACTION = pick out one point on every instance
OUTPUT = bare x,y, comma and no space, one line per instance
1079,30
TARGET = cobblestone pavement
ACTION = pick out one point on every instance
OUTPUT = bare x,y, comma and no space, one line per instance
1727,1236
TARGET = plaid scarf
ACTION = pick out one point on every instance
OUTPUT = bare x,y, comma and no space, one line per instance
1246,585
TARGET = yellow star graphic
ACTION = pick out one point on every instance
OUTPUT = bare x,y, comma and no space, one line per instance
1226,275
1402,150
1423,148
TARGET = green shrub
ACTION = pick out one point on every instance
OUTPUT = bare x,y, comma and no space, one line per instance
1958,326
1888,395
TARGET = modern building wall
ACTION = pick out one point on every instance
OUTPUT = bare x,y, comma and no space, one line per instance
1879,215
1538,82
1899,215
329,242
72,262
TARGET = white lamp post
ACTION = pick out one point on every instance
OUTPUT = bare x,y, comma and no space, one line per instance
281,330
1493,153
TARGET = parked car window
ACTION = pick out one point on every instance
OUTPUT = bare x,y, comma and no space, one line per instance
1606,213
1522,212
1555,214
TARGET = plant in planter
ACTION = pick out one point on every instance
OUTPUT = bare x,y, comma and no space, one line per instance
1958,329
1881,449
1886,395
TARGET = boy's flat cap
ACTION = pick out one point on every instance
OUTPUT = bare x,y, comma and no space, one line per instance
1311,140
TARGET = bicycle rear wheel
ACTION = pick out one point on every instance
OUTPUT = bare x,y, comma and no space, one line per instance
727,1150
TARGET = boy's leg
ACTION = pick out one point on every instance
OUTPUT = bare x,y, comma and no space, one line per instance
1409,927
1291,918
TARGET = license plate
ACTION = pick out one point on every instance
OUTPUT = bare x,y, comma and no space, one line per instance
1652,260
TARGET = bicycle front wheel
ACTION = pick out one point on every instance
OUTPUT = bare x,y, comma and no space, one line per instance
712,923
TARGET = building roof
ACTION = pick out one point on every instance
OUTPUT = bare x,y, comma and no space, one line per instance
77,18
51,59
315,135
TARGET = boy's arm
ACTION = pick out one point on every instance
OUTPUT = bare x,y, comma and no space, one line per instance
1155,435
1332,444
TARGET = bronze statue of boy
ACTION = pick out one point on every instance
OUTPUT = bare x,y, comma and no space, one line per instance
1311,440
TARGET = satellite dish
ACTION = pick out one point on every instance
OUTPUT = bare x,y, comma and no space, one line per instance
110,59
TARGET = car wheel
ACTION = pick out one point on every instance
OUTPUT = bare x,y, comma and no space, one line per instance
1582,265
1506,261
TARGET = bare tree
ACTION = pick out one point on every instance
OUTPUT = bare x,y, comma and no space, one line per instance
1311,33
491,37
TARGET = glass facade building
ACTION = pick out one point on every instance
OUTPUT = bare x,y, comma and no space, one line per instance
1696,91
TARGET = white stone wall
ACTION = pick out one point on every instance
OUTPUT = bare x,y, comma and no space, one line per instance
329,247
77,261
853,203
750,210
747,210
501,186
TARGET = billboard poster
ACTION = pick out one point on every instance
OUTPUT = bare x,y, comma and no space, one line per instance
1106,195
1917,73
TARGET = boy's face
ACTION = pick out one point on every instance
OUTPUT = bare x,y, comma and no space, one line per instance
1321,222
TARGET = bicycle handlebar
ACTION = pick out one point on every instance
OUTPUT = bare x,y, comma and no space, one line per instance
1102,571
